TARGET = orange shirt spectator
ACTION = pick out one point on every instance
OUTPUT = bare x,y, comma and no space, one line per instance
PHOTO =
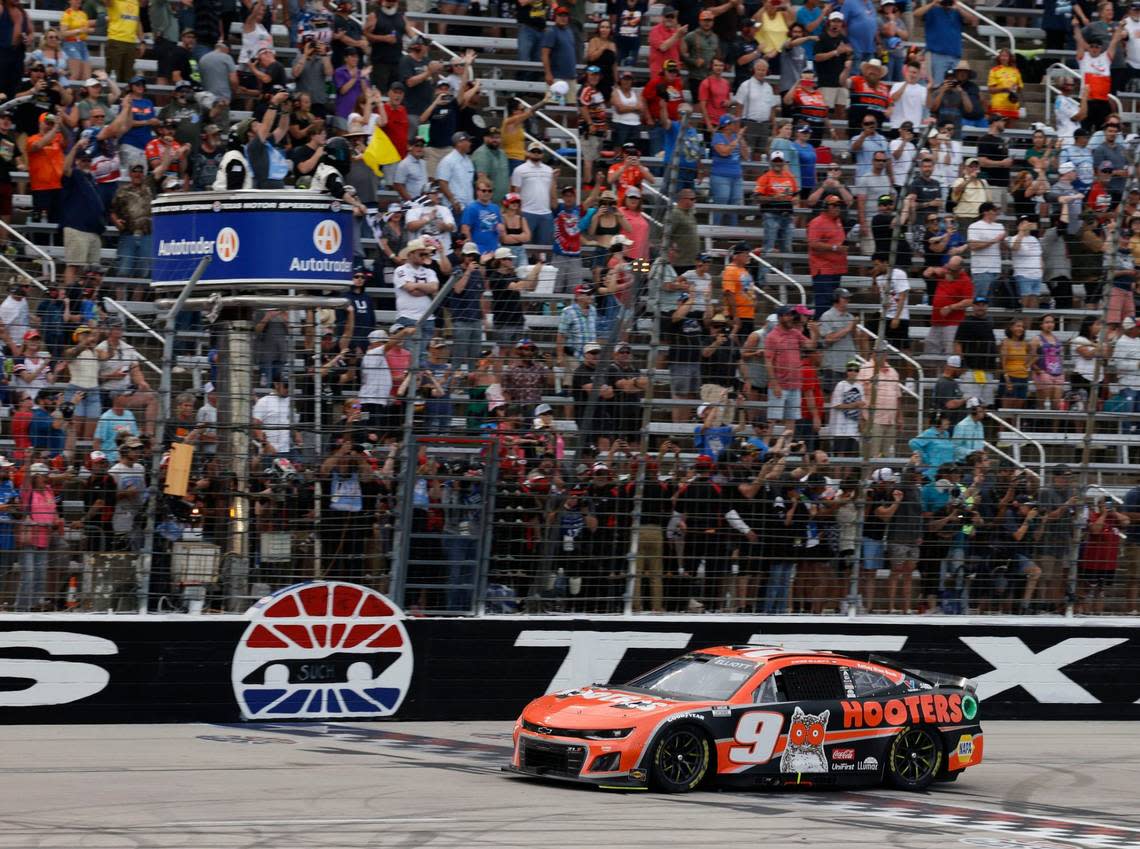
737,285
627,173
45,161
772,185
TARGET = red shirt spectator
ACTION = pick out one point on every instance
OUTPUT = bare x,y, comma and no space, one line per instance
826,237
397,127
665,43
713,94
811,405
1102,545
951,290
783,346
664,88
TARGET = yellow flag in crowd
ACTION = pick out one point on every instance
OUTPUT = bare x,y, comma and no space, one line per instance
380,151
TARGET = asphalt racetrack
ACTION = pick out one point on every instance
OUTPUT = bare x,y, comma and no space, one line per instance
1043,786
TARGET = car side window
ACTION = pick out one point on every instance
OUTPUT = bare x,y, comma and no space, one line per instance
868,683
769,691
811,682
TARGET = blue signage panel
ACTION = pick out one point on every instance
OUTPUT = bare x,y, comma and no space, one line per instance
293,239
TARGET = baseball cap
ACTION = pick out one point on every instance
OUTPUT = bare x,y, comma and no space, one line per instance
670,65
470,248
583,290
1066,168
633,192
741,248
493,131
704,461
137,79
1105,166
439,342
378,335
973,160
776,156
887,199
1128,323
784,310
883,475
622,346
835,16
803,128
591,348
417,141
801,309
535,146
1081,132
974,403
561,10
39,469
91,81
541,409
981,299
874,63
701,410
460,136
725,120
593,69
31,334
841,292
503,253
853,364
954,361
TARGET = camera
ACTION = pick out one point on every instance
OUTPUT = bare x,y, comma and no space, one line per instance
67,409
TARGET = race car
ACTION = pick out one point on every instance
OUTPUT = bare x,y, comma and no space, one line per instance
755,716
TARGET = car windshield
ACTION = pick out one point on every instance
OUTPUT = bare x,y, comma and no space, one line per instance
701,676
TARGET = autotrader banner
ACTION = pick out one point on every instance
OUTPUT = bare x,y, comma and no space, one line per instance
264,237
98,668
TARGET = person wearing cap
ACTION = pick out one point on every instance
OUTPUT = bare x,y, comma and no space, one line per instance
218,72
428,218
974,342
698,50
1094,58
727,151
969,433
534,181
1081,155
683,225
870,94
827,252
33,368
82,212
491,164
947,396
410,177
15,317
628,172
40,520
737,287
837,339
416,285
502,299
442,118
456,173
663,95
758,101
953,292
783,349
558,53
567,245
776,192
527,376
206,161
935,446
130,213
847,401
114,420
48,429
577,326
665,39
882,386
687,342
969,192
944,25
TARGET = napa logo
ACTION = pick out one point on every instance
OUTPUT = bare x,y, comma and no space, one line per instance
327,237
227,244
322,650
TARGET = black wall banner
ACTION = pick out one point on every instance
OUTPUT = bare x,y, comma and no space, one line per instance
374,664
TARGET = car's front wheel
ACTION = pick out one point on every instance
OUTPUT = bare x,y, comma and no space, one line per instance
913,759
681,760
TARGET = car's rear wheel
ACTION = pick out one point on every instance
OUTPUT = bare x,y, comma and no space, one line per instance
913,759
681,759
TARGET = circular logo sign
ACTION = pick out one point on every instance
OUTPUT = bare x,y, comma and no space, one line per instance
227,244
327,237
322,650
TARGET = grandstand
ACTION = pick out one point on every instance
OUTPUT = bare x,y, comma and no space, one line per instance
531,475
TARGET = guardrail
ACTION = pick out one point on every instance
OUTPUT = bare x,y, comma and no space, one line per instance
991,49
45,258
1013,429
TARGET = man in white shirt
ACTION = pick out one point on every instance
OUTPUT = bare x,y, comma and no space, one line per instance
1067,110
947,157
984,238
846,410
533,180
120,370
1131,24
131,495
15,318
375,395
893,287
432,218
456,173
757,100
1126,357
1028,262
416,284
908,99
207,419
902,152
273,421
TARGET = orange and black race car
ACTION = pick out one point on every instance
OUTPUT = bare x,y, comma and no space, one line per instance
755,716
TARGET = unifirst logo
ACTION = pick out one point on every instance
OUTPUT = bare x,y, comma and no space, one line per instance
327,237
227,244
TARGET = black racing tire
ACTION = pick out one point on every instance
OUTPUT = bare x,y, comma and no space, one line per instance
680,760
913,759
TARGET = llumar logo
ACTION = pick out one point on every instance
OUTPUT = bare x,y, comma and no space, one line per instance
327,237
929,708
227,244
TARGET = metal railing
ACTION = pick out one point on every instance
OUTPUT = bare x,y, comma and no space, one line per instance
991,49
1018,432
779,272
45,258
127,314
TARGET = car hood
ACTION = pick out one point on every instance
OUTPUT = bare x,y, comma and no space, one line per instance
589,708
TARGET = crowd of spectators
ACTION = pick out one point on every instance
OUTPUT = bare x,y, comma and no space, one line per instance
831,139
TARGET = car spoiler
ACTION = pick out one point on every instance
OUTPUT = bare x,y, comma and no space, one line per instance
939,679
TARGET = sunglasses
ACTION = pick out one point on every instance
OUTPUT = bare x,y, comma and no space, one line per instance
481,189
832,205
880,159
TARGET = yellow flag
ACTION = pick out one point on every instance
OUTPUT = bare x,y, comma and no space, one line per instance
380,151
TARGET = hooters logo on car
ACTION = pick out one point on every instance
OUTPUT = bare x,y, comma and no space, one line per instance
930,708
323,650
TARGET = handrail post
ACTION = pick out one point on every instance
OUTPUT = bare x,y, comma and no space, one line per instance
1008,34
781,273
36,249
1040,448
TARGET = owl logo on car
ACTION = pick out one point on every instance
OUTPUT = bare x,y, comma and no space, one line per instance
322,650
